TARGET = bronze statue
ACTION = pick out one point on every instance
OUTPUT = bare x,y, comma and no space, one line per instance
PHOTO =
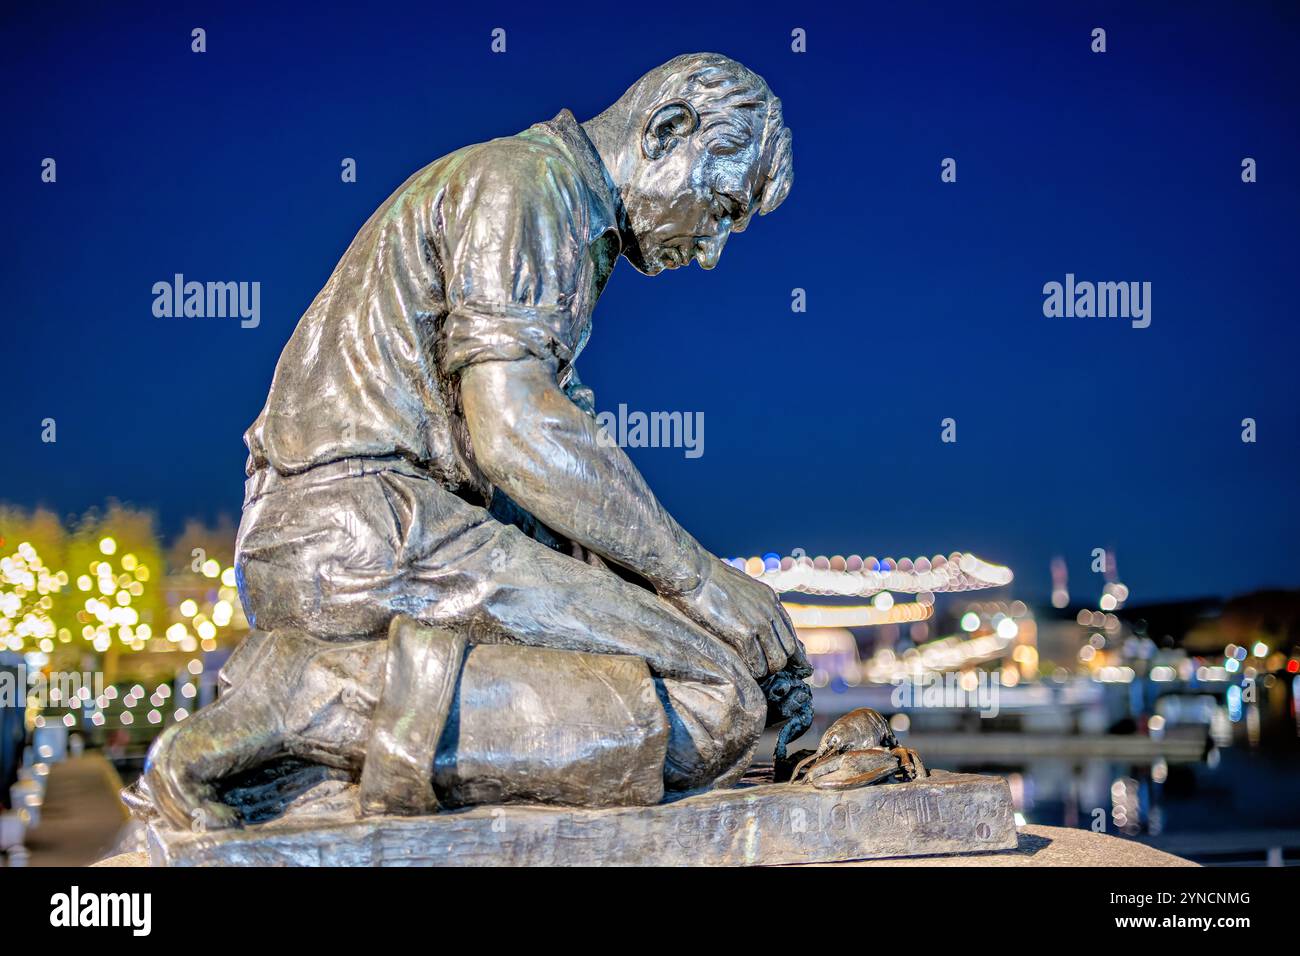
460,594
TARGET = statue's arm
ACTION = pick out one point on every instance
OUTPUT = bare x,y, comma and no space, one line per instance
502,337
545,452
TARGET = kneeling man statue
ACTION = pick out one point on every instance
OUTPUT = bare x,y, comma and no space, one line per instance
461,592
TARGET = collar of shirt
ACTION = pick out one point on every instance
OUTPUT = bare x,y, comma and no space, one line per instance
569,132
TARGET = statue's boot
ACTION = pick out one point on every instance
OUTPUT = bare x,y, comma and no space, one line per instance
285,695
459,724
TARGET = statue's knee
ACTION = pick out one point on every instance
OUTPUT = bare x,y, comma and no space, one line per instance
714,731
750,718
745,714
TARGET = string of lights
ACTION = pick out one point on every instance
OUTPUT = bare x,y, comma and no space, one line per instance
855,576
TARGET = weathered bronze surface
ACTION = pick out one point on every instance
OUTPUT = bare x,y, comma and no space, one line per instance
477,636
462,591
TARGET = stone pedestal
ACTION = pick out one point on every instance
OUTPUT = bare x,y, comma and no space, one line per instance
755,823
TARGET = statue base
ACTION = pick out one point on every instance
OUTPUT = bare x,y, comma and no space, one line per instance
755,823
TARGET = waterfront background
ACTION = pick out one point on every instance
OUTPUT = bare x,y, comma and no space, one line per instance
1175,723
1149,692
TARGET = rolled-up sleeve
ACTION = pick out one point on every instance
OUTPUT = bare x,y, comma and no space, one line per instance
513,255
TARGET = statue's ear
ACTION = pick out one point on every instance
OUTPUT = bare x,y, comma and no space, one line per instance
666,126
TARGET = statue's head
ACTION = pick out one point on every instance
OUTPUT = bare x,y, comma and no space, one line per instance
701,148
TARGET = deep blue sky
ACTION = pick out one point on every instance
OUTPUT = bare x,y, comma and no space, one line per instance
822,429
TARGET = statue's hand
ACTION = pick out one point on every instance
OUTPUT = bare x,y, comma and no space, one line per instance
745,614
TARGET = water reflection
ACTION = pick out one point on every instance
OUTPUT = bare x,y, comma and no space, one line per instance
1205,788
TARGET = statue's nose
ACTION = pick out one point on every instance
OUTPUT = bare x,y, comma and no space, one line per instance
709,248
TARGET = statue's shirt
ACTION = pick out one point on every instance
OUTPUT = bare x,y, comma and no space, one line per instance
495,252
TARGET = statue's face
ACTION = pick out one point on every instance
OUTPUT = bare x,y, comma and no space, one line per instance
684,204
